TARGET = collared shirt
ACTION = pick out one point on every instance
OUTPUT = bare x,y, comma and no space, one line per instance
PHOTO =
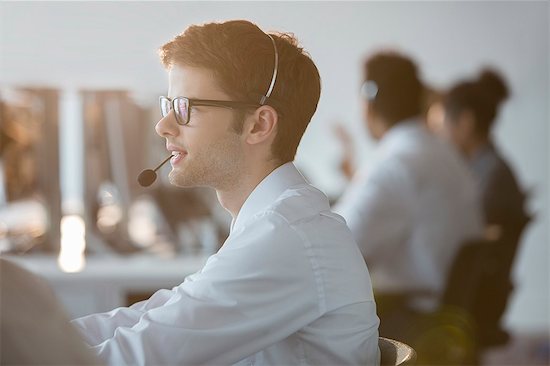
288,287
411,210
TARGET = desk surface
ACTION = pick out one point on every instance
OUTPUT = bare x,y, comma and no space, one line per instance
105,282
140,271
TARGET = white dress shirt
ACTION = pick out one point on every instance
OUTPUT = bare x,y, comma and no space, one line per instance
411,210
288,287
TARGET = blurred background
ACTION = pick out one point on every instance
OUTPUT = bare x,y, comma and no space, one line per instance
79,85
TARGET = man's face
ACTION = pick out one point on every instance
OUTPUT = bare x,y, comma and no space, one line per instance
211,152
373,124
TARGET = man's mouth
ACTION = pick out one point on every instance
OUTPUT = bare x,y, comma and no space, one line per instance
177,156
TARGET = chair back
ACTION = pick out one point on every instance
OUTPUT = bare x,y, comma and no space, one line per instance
480,283
393,353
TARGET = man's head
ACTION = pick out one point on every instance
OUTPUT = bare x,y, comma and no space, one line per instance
239,59
392,91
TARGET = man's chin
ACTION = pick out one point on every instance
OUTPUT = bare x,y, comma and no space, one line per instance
182,180
179,180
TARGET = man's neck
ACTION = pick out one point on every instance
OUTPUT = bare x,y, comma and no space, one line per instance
384,126
233,198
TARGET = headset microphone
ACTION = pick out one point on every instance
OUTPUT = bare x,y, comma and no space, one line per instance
148,176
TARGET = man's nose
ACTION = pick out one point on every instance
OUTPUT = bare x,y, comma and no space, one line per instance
167,126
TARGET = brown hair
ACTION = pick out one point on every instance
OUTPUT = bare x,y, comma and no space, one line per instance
482,97
242,58
400,92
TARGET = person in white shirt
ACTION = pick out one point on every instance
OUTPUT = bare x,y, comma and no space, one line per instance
412,208
289,285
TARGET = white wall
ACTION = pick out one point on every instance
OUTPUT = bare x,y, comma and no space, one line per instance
106,44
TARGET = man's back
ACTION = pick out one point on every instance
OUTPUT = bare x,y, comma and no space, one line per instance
412,210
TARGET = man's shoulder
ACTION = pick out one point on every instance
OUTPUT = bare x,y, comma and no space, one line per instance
295,213
298,203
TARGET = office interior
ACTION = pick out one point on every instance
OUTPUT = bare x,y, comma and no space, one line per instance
79,87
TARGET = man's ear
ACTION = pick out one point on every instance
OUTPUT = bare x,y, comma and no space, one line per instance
262,126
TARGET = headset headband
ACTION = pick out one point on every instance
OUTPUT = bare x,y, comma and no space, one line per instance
274,77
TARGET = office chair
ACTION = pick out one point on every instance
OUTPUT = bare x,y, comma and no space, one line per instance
480,282
476,294
393,353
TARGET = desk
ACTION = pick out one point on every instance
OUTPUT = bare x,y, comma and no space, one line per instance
106,282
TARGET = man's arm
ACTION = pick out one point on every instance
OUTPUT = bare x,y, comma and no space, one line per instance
255,292
97,328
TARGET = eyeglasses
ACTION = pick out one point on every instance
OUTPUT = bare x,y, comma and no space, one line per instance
182,106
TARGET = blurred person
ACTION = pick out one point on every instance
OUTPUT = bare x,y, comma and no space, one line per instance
289,285
34,328
470,111
471,108
412,208
431,113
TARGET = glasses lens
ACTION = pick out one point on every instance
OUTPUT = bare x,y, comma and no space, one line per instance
181,110
164,106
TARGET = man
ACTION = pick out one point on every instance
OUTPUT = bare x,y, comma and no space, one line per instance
416,204
289,285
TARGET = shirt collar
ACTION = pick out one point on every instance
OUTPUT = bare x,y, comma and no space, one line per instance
400,132
267,191
482,151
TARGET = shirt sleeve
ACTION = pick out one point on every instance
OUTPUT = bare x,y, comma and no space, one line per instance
256,291
96,328
376,208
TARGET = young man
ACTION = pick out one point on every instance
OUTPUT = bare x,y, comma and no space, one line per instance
289,285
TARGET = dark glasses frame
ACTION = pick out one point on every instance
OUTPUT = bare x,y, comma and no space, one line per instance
199,102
